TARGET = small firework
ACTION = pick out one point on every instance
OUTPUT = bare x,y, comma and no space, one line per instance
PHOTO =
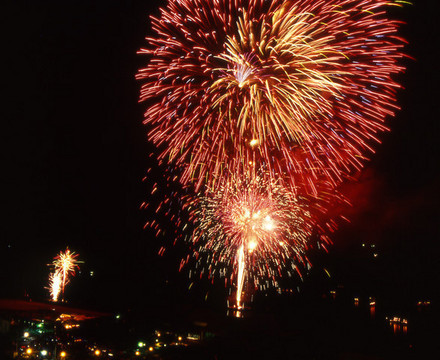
65,265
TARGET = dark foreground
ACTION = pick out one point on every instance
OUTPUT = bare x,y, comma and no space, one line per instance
329,327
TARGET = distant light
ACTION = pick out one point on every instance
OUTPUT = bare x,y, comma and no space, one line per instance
26,334
179,338
97,352
28,351
375,254
92,273
118,316
137,353
253,142
141,344
151,348
63,354
43,352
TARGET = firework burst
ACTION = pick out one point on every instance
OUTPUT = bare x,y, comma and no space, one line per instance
263,108
304,86
254,229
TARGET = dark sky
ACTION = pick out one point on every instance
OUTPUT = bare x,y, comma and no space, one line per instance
75,153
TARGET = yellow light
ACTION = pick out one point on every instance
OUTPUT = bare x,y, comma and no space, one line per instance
253,142
26,334
137,353
63,354
268,223
28,351
252,245
179,338
150,348
97,352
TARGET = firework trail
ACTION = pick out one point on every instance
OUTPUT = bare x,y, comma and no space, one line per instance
303,85
240,276
55,281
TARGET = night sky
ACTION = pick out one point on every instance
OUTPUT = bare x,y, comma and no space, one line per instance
75,152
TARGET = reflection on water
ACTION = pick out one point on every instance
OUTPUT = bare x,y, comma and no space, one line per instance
399,325
372,303
372,311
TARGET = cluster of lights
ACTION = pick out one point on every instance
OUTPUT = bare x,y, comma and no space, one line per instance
30,351
71,326
398,324
143,347
35,347
424,303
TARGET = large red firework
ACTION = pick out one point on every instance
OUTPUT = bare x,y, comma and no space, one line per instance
303,86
